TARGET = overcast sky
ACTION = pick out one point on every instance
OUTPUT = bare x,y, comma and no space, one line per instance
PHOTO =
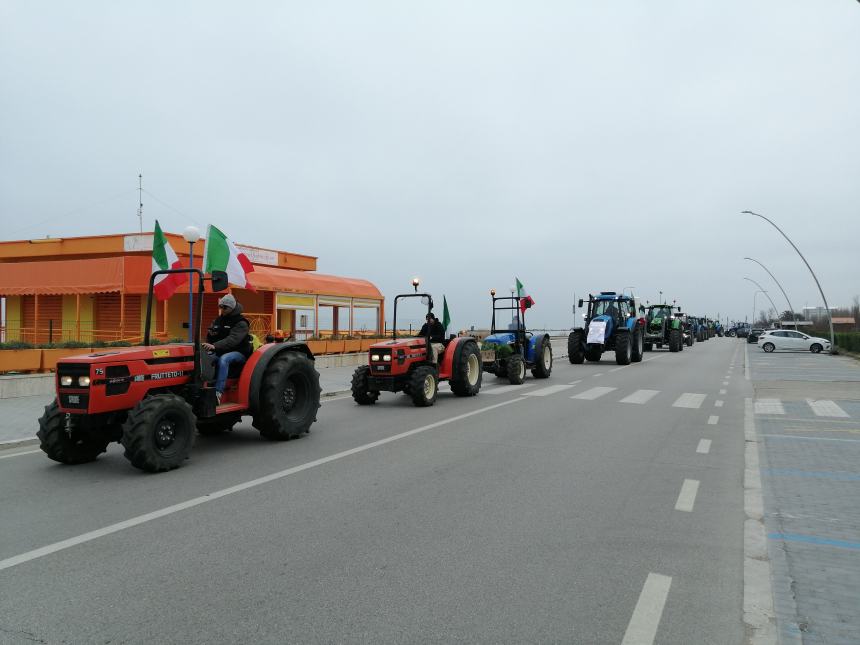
582,146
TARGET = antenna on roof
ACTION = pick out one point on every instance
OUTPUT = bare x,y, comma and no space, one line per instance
140,201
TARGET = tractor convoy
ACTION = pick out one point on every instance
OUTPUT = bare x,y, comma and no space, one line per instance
154,399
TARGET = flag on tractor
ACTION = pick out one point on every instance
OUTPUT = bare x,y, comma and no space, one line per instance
526,300
446,317
222,255
163,258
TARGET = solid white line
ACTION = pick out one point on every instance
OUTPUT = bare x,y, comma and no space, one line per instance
704,446
746,362
18,454
224,492
642,628
687,496
718,403
713,420
640,396
689,400
825,408
506,389
593,393
722,391
546,391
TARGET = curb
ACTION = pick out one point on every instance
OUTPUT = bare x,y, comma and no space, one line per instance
9,444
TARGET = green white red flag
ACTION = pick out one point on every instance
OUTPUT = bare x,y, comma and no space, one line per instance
526,300
163,258
222,255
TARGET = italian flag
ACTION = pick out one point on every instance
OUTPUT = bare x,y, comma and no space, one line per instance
222,255
526,300
164,257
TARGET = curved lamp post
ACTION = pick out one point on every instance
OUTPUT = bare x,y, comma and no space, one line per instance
790,308
817,283
191,235
765,293
752,322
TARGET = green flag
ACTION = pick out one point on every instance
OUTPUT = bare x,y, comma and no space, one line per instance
521,290
446,317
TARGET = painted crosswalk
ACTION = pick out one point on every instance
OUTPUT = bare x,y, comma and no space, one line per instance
690,400
552,389
769,406
825,408
640,397
816,407
593,393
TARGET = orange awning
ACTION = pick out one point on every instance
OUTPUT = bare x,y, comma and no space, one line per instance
61,276
291,281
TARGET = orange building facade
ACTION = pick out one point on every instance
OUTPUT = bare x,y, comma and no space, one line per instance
94,289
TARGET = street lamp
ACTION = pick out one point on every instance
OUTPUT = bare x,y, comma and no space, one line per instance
191,235
513,319
790,308
752,322
765,293
817,283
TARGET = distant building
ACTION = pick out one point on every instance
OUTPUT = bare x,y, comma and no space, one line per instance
94,288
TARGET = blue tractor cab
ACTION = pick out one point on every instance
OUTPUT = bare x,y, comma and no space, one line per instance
508,351
612,323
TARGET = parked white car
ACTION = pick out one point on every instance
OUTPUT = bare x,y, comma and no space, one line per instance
786,339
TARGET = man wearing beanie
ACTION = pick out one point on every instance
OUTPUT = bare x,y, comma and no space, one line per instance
229,339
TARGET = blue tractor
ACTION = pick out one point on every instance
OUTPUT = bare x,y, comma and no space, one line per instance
612,323
508,352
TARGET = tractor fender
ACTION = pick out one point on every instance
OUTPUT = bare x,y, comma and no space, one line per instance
534,343
446,368
252,376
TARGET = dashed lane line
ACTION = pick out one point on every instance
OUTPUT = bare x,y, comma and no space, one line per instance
687,496
718,403
642,628
713,420
704,446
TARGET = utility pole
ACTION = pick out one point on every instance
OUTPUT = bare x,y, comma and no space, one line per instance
140,201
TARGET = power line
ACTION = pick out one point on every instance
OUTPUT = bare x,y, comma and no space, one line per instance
72,212
173,208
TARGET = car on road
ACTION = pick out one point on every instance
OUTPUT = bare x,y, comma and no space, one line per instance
754,333
786,339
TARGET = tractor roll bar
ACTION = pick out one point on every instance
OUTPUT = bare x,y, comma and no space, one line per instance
410,295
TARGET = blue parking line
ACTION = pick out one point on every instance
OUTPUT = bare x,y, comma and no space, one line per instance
819,474
812,539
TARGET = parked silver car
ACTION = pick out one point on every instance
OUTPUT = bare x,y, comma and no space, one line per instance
786,339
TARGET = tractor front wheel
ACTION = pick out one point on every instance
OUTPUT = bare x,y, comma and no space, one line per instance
516,370
622,347
575,344
289,397
361,393
468,371
424,386
61,438
543,359
675,340
158,433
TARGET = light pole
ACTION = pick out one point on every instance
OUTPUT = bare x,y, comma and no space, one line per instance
752,322
817,283
765,293
513,319
191,235
790,308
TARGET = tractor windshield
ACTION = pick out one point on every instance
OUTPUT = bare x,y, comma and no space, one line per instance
658,312
608,307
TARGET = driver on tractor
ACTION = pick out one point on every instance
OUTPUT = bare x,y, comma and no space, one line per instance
228,340
436,331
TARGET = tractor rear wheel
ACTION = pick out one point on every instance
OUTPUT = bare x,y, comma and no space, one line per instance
593,353
62,441
361,393
690,340
675,340
575,352
289,397
543,359
424,386
468,371
622,347
516,370
158,433
637,349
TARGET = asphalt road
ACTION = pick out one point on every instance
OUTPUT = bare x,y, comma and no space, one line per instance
524,514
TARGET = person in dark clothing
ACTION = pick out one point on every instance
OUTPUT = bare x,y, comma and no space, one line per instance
436,331
228,340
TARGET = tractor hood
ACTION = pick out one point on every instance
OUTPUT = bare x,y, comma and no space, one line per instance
419,341
151,354
500,339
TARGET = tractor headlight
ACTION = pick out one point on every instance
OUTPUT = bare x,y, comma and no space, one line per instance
65,381
374,357
387,357
84,381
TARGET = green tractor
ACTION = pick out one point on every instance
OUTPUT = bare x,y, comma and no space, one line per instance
663,327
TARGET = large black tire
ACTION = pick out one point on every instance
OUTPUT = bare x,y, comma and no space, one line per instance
361,392
690,339
575,351
675,340
638,345
218,424
623,350
467,371
289,397
424,386
543,359
516,370
158,433
593,353
75,447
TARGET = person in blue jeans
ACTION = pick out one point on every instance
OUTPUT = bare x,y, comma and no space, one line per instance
228,340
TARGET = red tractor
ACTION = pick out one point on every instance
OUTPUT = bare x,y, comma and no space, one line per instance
407,365
151,398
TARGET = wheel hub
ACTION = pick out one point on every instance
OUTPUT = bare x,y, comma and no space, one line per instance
165,434
289,397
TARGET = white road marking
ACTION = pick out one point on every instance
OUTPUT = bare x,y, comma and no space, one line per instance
783,436
704,446
722,391
18,454
689,400
224,492
769,406
713,420
642,628
546,391
825,408
687,497
645,360
718,403
506,389
577,382
725,382
621,367
596,375
640,396
593,393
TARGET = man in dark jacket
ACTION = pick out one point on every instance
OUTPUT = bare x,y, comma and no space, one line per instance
229,339
436,331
